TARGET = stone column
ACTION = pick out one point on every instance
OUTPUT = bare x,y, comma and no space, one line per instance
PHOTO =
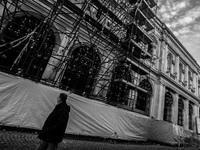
186,114
159,54
155,100
175,109
2,9
159,103
163,52
165,59
5,6
154,58
66,45
50,72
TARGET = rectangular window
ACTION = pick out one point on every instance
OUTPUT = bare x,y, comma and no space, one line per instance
173,65
180,72
180,110
168,106
199,88
183,73
132,98
190,80
190,116
181,77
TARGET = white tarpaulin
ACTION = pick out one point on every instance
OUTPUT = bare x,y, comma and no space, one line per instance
27,104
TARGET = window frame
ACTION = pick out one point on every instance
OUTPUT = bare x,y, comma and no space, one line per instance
167,115
180,111
190,116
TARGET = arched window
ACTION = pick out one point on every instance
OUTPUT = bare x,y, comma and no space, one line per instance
118,91
190,116
180,111
81,70
26,44
169,62
168,107
143,98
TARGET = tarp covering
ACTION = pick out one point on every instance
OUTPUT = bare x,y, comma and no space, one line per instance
27,104
165,132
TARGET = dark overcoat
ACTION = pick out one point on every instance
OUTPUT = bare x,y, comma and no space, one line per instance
55,125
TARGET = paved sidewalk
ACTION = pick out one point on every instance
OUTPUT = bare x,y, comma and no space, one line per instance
16,140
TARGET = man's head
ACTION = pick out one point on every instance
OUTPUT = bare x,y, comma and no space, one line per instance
62,98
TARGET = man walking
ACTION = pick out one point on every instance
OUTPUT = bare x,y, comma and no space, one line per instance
55,125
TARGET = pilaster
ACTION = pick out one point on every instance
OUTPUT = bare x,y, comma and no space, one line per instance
159,105
165,58
175,109
50,71
66,45
163,53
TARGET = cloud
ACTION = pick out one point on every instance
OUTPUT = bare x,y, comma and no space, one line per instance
196,28
171,9
185,20
180,5
172,24
182,17
184,31
191,43
190,16
176,33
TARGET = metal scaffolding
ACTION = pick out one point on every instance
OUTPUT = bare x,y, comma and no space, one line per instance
100,49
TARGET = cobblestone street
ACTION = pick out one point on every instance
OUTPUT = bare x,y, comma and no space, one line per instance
15,140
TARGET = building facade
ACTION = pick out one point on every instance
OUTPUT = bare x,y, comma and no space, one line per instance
113,51
177,82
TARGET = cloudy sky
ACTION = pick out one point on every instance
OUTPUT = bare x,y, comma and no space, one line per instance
183,18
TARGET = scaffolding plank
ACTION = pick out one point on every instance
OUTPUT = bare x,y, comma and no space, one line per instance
142,19
146,10
92,21
131,85
152,3
107,11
